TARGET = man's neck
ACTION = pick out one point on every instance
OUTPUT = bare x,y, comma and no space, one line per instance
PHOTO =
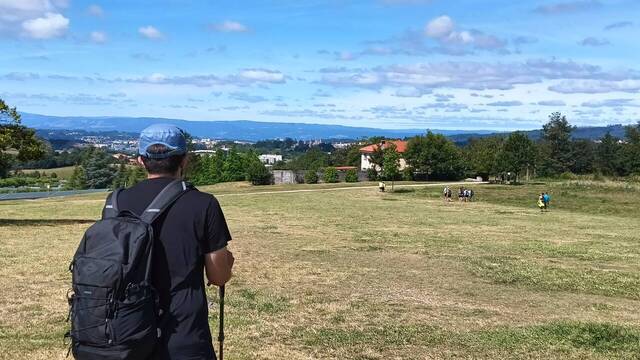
157,176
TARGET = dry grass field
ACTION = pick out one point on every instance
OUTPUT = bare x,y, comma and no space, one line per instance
358,274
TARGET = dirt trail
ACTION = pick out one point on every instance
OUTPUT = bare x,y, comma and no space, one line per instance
349,188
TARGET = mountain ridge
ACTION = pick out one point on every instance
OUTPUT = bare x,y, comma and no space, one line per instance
246,130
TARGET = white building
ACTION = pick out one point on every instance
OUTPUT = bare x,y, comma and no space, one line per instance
365,154
270,159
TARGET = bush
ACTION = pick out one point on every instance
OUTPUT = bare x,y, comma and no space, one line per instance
330,175
407,174
351,176
372,174
258,174
311,177
567,175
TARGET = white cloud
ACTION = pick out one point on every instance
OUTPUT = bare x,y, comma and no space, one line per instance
230,26
442,29
589,86
52,25
592,41
95,10
244,78
610,103
552,103
40,19
150,32
483,75
98,37
568,7
439,27
263,75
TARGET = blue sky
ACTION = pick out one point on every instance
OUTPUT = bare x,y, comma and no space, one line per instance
463,64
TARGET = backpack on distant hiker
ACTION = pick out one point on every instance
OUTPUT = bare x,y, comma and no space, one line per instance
114,310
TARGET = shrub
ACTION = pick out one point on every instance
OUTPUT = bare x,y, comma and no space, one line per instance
311,177
407,174
567,175
351,176
330,175
372,174
258,174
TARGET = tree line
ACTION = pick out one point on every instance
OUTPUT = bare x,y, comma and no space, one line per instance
435,157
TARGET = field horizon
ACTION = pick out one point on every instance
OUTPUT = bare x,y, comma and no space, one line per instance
359,274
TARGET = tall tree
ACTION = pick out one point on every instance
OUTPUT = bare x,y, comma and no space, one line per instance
120,179
632,149
608,159
99,170
556,155
584,156
78,179
482,155
391,164
16,140
435,157
518,154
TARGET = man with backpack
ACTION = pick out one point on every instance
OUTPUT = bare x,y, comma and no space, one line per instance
165,235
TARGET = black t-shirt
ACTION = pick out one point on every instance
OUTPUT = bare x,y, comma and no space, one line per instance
193,226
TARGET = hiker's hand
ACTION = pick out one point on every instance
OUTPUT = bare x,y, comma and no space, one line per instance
218,266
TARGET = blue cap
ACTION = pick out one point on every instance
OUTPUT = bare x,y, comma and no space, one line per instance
168,135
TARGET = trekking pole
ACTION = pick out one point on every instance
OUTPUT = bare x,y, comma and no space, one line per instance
221,326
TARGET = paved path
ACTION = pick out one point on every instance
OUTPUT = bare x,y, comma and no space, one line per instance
350,188
42,195
46,194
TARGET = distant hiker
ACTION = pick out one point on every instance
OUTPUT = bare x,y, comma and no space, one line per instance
446,194
541,202
546,199
381,186
169,316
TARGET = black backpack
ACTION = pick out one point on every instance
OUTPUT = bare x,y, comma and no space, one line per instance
114,308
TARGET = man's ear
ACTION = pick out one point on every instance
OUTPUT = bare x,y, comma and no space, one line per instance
140,161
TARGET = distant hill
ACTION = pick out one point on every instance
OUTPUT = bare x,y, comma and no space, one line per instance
589,133
226,130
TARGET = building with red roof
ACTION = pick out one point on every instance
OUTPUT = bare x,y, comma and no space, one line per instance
365,153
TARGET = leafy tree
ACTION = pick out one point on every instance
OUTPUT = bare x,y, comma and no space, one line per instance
330,175
136,175
349,156
583,156
120,178
100,173
314,159
517,155
78,179
16,141
608,159
555,153
632,149
435,157
311,177
233,168
258,174
482,156
351,176
391,164
209,169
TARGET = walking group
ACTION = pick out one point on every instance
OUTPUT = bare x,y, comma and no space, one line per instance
463,194
543,201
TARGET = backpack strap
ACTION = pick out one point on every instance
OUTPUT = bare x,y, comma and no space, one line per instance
164,200
111,205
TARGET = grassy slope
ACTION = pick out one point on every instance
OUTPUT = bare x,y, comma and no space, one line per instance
365,275
62,172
